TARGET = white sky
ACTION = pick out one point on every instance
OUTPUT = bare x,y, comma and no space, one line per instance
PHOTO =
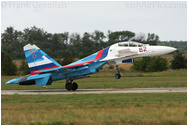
166,19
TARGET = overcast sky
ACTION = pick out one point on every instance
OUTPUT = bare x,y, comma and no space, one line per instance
166,19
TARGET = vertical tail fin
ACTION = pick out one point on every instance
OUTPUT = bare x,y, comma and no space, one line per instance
38,60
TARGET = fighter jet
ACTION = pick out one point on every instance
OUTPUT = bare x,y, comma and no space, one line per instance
44,70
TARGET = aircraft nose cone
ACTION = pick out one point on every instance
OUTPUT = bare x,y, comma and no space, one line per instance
170,49
161,50
165,50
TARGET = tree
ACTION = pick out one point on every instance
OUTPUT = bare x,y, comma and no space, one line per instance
56,42
67,58
151,64
179,61
152,39
75,44
157,64
11,42
98,38
24,67
74,38
88,47
34,35
8,36
57,46
65,37
141,64
140,37
7,65
120,36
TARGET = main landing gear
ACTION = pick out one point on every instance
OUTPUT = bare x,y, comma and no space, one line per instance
71,86
118,75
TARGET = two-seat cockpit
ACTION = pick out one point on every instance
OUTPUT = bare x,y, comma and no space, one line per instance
131,44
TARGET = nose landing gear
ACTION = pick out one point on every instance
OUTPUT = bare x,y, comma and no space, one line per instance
118,75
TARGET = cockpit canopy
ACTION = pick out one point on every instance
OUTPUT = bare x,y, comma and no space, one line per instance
131,44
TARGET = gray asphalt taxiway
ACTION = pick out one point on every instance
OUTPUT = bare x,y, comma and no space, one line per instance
93,91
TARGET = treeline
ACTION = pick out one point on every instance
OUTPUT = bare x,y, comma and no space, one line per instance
59,45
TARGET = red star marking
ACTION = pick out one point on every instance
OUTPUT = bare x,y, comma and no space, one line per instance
34,56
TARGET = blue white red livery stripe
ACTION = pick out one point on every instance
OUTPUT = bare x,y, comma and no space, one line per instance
38,60
88,60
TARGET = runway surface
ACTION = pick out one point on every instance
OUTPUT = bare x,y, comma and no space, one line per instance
93,91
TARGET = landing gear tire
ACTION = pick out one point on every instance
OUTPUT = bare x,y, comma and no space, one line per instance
117,76
69,86
74,86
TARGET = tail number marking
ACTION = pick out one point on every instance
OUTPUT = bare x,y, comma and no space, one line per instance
142,49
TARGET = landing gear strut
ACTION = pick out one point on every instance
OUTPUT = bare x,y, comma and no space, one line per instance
118,75
71,86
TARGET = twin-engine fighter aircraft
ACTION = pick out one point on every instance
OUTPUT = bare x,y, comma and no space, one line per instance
44,70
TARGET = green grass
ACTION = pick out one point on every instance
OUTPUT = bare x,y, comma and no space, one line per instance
105,79
147,108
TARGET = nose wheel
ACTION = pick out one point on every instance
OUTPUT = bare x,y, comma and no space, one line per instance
71,86
118,75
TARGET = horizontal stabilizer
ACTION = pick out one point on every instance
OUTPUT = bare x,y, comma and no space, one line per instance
13,81
42,81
